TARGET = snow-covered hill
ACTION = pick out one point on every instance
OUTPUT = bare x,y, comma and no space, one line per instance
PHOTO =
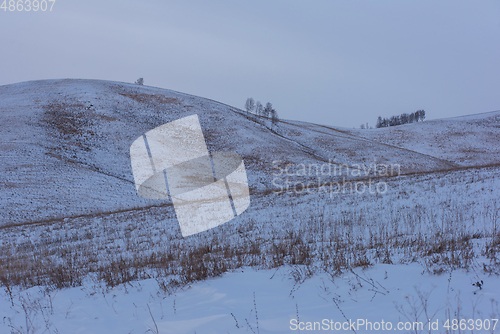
472,140
65,144
71,218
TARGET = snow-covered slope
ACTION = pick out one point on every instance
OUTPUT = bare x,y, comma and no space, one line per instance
73,229
472,140
65,145
266,301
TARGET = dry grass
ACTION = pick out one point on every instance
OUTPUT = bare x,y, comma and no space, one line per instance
66,253
65,118
68,122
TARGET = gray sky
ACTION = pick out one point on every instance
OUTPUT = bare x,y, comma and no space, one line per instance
331,62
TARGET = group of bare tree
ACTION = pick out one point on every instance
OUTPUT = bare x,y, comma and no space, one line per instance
416,116
258,109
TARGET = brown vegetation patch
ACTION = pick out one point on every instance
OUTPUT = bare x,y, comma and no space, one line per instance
66,118
107,118
154,98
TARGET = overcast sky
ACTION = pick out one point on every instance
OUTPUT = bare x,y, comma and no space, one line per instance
331,62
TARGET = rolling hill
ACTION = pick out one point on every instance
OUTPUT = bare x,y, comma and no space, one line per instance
80,251
65,144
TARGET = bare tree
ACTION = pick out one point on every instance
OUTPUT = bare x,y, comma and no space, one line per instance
250,105
274,117
259,108
405,118
420,115
268,109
